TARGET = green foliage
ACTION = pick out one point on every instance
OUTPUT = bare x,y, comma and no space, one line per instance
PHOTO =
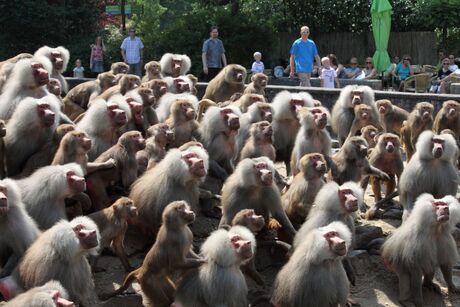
438,13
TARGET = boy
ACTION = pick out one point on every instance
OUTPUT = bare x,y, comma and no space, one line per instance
258,65
78,71
328,75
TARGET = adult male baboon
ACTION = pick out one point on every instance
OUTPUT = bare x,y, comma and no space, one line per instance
51,294
423,243
59,57
431,170
174,65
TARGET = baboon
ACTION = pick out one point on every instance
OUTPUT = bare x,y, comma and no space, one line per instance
43,192
218,131
253,180
174,65
182,122
166,102
420,119
224,252
228,81
298,199
421,244
286,123
448,118
343,113
312,136
6,67
244,101
431,170
18,229
260,142
391,116
352,162
258,83
2,149
31,127
369,133
152,71
314,275
60,253
51,294
126,84
386,156
172,251
59,57
203,106
364,116
177,177
155,147
113,223
181,84
119,68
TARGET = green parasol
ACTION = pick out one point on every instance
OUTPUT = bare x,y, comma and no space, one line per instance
381,11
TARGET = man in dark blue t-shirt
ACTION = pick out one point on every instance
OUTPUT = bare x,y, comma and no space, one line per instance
303,55
213,55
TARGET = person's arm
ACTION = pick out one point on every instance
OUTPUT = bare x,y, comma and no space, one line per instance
292,66
337,83
318,61
123,50
141,52
224,59
103,47
253,67
74,73
394,72
372,75
411,70
91,57
205,66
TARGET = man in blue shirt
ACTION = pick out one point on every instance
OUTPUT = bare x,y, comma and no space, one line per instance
132,50
303,55
213,55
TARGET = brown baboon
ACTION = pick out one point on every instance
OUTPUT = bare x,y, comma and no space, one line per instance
391,116
172,251
203,106
298,199
314,275
369,133
364,116
182,122
113,223
259,143
431,170
448,118
155,147
126,84
152,71
421,245
420,119
258,83
229,80
119,68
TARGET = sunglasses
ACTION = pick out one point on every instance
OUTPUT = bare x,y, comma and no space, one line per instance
445,63
368,62
406,59
451,58
353,63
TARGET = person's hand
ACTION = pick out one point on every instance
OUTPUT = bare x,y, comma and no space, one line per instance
291,75
205,70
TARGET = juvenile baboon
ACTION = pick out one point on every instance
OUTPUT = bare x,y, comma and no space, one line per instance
126,84
174,65
172,251
369,133
286,123
60,253
298,199
152,71
18,229
113,223
182,122
391,116
421,244
343,113
312,136
259,143
218,131
51,294
203,106
448,118
59,57
258,83
314,275
431,170
227,82
253,180
177,177
119,68
386,156
146,97
155,147
43,193
364,116
159,88
224,252
420,119
244,101
352,162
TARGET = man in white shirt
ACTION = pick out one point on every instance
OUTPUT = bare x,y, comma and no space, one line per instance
132,50
452,66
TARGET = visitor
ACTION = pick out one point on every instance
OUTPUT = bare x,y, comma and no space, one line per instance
339,69
452,66
328,76
258,65
79,70
369,71
352,72
96,62
402,72
442,73
213,55
132,50
303,55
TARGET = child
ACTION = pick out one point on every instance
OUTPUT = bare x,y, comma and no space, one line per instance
258,65
78,71
328,75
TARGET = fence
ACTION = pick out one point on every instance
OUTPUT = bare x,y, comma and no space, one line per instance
421,46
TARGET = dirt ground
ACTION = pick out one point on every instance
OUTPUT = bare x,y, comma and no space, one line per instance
375,284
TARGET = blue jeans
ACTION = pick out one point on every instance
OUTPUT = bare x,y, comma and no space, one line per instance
135,69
